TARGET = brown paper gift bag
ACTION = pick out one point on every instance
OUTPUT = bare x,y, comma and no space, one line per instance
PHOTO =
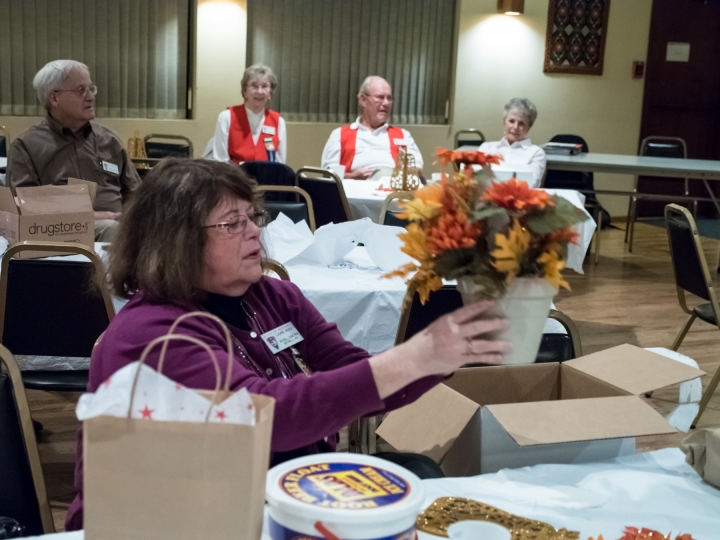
177,480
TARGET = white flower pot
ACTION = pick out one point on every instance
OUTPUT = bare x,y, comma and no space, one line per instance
526,304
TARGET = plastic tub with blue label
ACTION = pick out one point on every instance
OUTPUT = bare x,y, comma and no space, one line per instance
349,496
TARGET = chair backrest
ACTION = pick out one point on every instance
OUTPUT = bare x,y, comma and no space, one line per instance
389,216
271,265
4,141
688,260
669,147
415,317
23,496
327,193
295,210
570,179
52,308
469,137
269,173
159,150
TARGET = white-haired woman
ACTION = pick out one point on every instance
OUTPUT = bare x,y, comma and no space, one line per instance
515,148
251,131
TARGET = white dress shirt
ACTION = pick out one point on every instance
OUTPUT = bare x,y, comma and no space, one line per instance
519,153
372,148
220,141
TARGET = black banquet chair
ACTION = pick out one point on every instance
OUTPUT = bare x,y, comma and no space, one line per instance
271,173
23,496
469,137
389,212
155,149
327,194
301,210
51,308
691,276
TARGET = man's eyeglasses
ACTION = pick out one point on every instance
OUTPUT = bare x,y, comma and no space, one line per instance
238,224
381,98
82,90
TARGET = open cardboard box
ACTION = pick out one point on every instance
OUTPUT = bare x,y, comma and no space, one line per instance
484,419
48,214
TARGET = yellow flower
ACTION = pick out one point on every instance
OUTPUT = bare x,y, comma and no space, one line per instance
418,209
415,243
509,249
553,265
426,203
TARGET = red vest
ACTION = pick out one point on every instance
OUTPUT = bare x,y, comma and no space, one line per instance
348,138
240,140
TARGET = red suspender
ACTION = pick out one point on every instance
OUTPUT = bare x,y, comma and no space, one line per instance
348,139
240,143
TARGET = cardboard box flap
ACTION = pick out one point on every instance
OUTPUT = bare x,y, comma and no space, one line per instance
431,424
555,422
633,369
54,199
92,186
7,201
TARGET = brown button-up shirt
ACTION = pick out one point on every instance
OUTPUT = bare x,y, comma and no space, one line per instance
48,153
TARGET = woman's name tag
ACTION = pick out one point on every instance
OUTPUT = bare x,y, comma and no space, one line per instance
281,337
270,130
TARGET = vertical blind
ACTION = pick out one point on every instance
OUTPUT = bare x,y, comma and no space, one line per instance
137,52
322,50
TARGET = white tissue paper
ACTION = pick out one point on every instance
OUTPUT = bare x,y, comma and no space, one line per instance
3,244
689,392
159,398
333,242
284,239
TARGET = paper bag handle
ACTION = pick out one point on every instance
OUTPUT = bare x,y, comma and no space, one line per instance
164,339
228,339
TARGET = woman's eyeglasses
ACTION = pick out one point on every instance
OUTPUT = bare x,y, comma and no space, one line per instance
238,224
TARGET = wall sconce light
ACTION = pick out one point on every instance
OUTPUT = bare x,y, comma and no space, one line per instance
511,7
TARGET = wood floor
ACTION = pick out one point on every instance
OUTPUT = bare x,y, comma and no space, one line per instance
626,298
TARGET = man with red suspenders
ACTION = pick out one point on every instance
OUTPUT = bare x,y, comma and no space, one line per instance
369,145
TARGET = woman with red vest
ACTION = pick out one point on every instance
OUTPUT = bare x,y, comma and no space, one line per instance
251,131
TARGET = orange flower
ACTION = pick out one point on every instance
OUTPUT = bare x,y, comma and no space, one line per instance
468,157
516,195
563,235
452,232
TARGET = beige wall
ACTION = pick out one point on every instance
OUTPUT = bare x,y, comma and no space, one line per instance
499,57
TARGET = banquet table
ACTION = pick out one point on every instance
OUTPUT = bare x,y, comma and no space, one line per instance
657,490
366,199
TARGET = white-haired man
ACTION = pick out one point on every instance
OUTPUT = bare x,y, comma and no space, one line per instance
369,146
66,144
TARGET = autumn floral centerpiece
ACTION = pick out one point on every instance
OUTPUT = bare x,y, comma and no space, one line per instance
499,240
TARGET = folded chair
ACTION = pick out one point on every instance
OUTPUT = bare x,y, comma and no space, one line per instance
296,210
53,308
692,276
327,193
23,496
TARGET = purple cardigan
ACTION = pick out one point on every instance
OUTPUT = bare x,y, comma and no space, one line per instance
309,411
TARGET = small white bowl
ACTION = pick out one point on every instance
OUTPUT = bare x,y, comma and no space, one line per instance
477,530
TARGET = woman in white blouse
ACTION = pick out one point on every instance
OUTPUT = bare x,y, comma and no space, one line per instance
251,131
515,148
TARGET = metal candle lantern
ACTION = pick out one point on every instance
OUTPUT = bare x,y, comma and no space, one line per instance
405,176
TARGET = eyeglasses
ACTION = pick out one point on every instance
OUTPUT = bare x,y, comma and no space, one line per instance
257,87
80,91
238,224
381,98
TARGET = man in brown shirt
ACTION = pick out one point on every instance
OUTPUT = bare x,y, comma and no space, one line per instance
66,144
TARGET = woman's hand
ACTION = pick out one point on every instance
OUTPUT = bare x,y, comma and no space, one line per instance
450,342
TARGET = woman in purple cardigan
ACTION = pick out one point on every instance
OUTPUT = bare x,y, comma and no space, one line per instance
190,240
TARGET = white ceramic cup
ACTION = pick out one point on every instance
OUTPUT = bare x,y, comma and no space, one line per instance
338,169
477,530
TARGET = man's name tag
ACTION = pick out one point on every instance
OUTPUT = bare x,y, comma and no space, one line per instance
270,130
110,167
400,142
282,337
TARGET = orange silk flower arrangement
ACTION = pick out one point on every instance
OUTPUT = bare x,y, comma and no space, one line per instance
494,232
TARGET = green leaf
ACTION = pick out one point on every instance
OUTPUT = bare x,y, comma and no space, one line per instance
485,212
554,218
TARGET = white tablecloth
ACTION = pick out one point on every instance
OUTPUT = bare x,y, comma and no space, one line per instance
656,490
365,201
